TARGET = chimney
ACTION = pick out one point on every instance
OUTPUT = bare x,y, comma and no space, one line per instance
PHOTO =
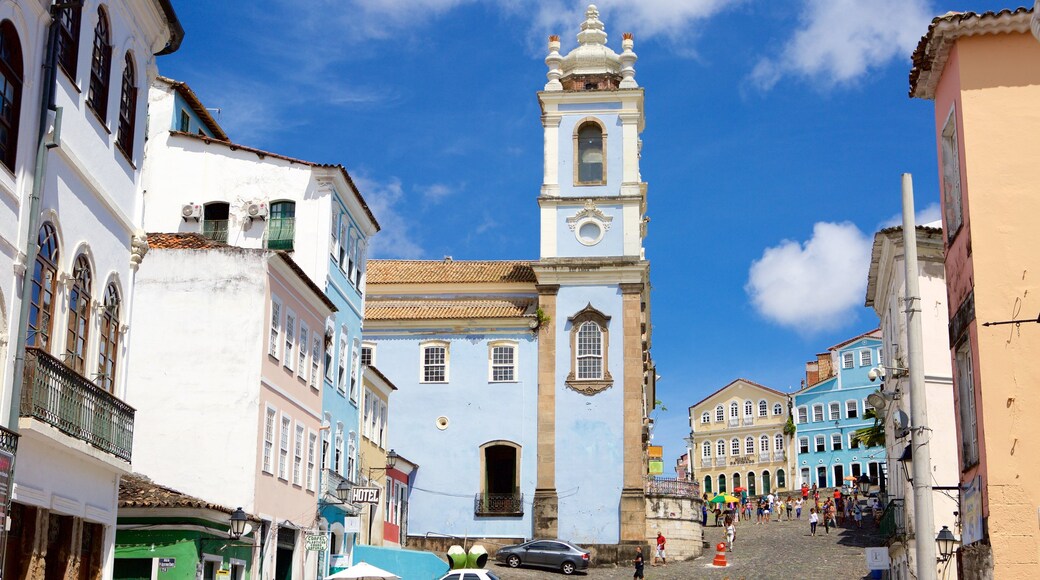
812,373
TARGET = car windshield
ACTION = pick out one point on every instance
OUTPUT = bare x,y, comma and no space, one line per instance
491,575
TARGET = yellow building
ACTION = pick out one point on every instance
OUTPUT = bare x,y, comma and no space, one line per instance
738,439
375,404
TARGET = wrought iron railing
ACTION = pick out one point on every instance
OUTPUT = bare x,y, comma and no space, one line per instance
706,462
280,233
893,521
720,462
778,456
673,487
57,395
498,504
215,230
8,441
733,421
764,457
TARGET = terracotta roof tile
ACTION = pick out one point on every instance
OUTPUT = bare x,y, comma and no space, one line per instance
137,491
448,271
177,241
398,309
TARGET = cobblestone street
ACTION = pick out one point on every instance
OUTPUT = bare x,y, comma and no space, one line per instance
777,550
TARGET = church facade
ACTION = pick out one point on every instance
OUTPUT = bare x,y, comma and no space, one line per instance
525,386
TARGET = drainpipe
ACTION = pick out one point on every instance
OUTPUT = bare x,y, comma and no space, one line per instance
33,217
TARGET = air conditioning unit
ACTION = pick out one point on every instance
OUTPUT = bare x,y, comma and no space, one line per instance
191,211
256,210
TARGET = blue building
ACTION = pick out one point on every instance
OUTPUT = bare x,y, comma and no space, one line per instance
830,409
524,386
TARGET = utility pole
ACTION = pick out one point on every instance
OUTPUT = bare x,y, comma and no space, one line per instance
924,519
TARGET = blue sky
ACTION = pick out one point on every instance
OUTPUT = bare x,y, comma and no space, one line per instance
775,137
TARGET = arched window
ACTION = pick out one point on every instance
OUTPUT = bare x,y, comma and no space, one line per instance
343,241
778,442
766,483
109,343
79,315
100,67
734,446
215,217
720,414
749,445
763,444
706,449
722,483
720,448
778,409
281,225
127,108
45,274
68,37
736,481
590,339
734,410
590,351
500,479
591,158
705,417
749,408
707,484
10,92
763,408
781,479
752,485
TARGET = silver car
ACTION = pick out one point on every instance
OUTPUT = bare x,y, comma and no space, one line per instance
556,554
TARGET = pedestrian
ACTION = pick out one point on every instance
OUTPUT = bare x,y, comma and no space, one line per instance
758,512
787,507
638,562
765,511
704,513
813,519
731,532
660,550
798,508
858,514
805,491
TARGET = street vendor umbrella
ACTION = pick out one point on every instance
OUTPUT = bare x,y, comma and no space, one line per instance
850,478
739,489
724,498
363,570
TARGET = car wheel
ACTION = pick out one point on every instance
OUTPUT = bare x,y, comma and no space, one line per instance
567,568
513,561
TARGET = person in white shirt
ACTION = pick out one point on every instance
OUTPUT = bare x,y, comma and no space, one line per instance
814,519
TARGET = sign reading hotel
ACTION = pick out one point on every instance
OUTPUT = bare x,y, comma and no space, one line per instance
364,495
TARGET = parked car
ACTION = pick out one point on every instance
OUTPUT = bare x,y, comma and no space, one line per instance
470,574
556,554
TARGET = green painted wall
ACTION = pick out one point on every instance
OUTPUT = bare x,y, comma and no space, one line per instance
186,546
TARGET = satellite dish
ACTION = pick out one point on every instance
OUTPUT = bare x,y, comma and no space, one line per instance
901,422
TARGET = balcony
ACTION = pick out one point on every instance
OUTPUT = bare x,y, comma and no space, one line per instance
55,394
763,457
280,233
706,462
733,421
748,420
215,230
498,504
893,520
720,462
778,456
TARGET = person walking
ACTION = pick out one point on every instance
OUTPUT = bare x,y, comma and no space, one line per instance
788,505
813,519
638,562
857,513
660,550
731,532
798,508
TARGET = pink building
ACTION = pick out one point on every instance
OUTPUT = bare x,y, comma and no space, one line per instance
983,73
230,345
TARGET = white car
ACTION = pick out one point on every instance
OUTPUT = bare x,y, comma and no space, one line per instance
470,574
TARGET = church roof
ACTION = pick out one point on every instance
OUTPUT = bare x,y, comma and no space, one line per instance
431,309
448,271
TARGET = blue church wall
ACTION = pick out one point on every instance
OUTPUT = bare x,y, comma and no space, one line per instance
612,125
478,412
850,387
589,429
194,123
612,243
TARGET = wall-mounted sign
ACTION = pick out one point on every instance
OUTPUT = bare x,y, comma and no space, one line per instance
745,460
364,495
352,525
656,467
317,542
655,451
877,559
165,564
971,511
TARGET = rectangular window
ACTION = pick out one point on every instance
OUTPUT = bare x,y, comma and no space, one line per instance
951,178
821,444
503,363
847,360
341,367
817,413
312,450
268,439
734,447
283,449
382,425
879,360
864,358
853,441
803,445
301,366
315,362
297,468
966,402
351,455
720,414
749,446
365,431
435,364
367,353
851,409
835,411
290,338
276,327
355,371
836,442
337,452
185,122
803,415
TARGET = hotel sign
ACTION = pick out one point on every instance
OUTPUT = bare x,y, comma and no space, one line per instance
364,495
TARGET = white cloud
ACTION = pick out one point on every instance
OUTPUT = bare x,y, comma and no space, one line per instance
394,240
435,193
814,285
840,40
922,217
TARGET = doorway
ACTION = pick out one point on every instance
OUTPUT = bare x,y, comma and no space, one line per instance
839,475
767,483
821,476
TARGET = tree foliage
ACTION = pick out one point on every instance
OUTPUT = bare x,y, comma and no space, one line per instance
873,436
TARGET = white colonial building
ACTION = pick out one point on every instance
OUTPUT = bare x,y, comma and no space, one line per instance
71,146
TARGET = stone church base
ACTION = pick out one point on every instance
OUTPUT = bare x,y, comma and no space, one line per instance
679,519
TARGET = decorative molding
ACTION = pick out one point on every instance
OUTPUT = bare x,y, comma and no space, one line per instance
138,248
589,212
631,288
589,386
547,289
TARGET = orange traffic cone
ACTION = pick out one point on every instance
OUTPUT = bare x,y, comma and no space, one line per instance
720,555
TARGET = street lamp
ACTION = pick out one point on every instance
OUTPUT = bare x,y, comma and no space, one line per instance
947,544
906,459
238,523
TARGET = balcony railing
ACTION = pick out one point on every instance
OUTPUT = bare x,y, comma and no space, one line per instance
778,456
215,230
764,457
733,421
280,233
8,441
893,521
706,462
749,420
498,504
673,487
720,462
57,395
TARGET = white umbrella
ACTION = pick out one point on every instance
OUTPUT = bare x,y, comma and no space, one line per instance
363,570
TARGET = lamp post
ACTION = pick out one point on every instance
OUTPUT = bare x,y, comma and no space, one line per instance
689,456
946,542
238,524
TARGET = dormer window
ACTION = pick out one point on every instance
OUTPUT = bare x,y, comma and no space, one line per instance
590,158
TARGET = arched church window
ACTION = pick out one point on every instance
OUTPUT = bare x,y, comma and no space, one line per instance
45,273
591,158
109,339
10,92
590,372
79,315
100,67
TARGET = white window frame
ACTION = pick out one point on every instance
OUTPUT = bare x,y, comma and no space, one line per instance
355,369
720,414
290,339
371,346
734,410
274,340
720,448
803,411
706,449
778,409
819,444
834,411
337,450
283,446
300,432
815,408
303,342
763,408
706,418
513,368
316,356
749,445
382,424
734,446
429,344
866,357
778,442
312,452
804,440
853,405
334,240
600,353
853,442
763,443
270,425
848,359
366,416
836,443
341,363
351,464
749,408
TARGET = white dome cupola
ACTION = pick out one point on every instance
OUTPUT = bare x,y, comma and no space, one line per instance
592,65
